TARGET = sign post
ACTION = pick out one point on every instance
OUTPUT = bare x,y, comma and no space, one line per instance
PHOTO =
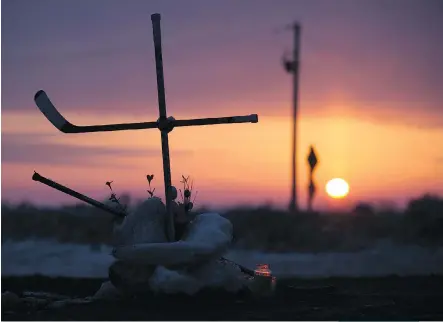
312,161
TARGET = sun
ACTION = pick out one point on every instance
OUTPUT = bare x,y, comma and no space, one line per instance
337,188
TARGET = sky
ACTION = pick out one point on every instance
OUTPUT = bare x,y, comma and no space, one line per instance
370,97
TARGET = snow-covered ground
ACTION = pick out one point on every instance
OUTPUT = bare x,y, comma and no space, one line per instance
54,259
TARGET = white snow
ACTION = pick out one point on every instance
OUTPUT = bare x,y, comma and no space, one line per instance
146,224
208,237
50,258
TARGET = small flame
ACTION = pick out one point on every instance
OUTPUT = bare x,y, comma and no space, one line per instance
262,270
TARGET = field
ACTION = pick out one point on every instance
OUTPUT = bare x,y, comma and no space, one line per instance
388,298
259,229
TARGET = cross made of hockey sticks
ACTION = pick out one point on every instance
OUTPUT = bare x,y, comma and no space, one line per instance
164,123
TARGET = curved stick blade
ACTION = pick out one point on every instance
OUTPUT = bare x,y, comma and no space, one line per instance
48,109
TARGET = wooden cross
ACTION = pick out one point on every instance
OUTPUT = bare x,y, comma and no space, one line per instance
164,123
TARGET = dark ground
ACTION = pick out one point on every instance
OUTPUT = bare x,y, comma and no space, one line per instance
388,298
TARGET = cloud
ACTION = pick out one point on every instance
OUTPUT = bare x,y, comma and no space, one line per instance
33,148
385,113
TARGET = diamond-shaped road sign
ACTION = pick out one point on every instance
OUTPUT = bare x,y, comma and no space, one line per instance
312,159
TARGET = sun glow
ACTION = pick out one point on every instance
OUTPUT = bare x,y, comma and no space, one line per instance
337,188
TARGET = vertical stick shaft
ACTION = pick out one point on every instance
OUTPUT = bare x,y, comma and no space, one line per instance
156,29
294,205
163,115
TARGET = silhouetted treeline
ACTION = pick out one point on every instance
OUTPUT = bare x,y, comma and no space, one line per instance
261,228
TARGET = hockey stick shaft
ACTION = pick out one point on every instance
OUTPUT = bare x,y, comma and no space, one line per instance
253,118
75,194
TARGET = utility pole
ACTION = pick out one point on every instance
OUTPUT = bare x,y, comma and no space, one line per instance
292,67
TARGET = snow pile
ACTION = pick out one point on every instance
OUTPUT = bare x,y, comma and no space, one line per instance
185,266
144,225
214,274
208,236
210,233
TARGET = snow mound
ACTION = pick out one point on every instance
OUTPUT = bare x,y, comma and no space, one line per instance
208,236
144,257
144,225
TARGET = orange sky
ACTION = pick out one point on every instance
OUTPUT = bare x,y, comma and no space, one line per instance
245,162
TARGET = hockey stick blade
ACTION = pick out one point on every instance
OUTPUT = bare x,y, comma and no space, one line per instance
50,112
53,115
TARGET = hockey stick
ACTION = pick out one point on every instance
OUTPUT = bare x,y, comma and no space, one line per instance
62,124
75,194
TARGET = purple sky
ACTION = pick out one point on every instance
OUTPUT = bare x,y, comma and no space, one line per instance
98,53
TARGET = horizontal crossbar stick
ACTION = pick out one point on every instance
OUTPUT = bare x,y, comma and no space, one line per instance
75,194
62,124
253,118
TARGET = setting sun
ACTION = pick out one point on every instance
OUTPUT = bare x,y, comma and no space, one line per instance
337,188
